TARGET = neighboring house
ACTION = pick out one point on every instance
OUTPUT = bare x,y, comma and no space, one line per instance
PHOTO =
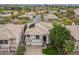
10,37
42,11
15,21
37,33
5,14
49,17
76,12
63,11
54,11
15,12
30,15
10,11
7,11
24,15
74,29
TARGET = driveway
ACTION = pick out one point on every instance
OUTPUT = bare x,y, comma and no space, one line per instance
76,53
33,50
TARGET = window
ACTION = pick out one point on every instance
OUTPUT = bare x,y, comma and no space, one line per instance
37,36
5,42
77,47
1,42
28,35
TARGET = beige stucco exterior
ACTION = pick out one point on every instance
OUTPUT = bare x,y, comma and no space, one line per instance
12,33
33,41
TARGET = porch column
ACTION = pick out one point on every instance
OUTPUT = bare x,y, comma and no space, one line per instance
31,38
41,38
9,45
47,39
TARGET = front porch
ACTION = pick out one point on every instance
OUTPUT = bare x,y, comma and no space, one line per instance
36,39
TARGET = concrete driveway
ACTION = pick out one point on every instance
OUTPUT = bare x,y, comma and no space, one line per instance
33,50
76,53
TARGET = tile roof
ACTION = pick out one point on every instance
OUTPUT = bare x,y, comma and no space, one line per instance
5,15
41,28
10,31
74,29
76,11
30,14
49,16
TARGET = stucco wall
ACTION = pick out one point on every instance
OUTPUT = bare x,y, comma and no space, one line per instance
77,45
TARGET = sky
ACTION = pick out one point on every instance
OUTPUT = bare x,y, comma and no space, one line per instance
39,1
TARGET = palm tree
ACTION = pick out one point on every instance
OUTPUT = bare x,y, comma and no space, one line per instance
68,46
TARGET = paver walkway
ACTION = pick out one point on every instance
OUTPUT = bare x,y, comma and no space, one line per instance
33,50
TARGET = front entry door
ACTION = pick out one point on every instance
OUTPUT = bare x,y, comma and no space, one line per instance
44,40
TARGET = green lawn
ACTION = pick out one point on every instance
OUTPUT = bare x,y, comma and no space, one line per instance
50,51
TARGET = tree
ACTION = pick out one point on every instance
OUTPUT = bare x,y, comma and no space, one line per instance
68,46
20,50
70,13
66,21
58,35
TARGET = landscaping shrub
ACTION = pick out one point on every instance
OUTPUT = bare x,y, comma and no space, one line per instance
50,51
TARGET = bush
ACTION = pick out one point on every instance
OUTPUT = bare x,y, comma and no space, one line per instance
67,22
50,51
20,50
